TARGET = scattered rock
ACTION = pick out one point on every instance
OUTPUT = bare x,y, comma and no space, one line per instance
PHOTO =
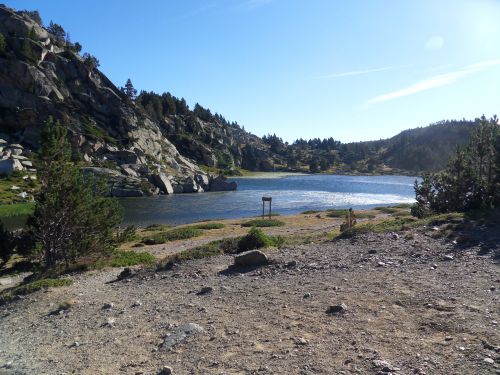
251,258
166,370
108,306
291,264
205,290
384,366
372,251
336,309
181,334
448,257
137,304
489,360
307,295
301,341
125,274
395,236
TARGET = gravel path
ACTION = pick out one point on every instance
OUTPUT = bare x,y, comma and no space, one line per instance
410,309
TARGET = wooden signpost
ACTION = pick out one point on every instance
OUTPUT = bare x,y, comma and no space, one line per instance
264,200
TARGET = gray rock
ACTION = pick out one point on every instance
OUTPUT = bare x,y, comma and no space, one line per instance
162,182
219,183
181,334
126,193
16,146
489,360
251,258
108,306
166,370
9,166
337,309
205,290
27,163
202,180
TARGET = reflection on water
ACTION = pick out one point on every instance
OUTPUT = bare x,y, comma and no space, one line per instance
291,195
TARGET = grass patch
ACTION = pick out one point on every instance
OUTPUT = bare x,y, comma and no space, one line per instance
208,226
387,210
310,212
34,286
262,223
343,214
400,224
17,209
402,214
125,259
172,235
157,227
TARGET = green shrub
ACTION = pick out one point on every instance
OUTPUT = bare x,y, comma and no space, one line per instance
255,239
337,213
343,214
208,226
157,227
172,235
3,44
126,259
309,212
261,223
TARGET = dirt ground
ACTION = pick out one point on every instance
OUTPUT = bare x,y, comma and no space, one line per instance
413,304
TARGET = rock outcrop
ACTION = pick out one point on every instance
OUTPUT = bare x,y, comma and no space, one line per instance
42,76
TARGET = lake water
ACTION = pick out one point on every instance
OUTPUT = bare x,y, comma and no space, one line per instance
291,195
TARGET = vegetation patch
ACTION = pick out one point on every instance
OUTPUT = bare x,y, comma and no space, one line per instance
387,210
343,213
18,209
400,224
310,212
261,223
256,239
172,235
157,227
126,259
208,226
34,286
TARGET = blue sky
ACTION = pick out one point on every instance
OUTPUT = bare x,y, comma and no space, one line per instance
351,70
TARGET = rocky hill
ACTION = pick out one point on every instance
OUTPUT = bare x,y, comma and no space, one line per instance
43,75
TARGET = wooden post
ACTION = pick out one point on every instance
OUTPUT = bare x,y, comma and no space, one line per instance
264,200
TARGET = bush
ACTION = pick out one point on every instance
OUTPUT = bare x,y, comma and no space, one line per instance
261,223
255,239
172,235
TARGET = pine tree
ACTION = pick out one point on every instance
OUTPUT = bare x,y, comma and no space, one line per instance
129,90
72,218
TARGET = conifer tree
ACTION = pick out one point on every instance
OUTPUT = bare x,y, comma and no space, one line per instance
72,218
129,90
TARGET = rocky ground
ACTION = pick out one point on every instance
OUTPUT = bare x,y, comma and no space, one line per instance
403,304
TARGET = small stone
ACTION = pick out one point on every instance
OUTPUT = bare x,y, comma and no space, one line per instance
489,360
448,338
205,290
125,274
291,264
252,258
337,309
166,370
395,236
137,304
301,341
380,264
435,229
372,251
448,257
110,322
108,306
307,295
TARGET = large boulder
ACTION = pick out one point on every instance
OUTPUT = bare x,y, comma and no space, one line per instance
162,182
252,258
202,180
9,166
219,183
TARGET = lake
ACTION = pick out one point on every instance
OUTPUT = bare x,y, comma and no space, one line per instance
291,195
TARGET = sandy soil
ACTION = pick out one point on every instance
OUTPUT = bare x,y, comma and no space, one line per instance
414,304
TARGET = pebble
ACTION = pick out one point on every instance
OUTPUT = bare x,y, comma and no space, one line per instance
205,290
166,370
337,309
307,295
108,306
137,304
301,341
489,360
448,257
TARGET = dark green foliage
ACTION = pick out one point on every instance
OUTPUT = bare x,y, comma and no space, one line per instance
91,61
129,90
34,15
172,235
72,218
3,44
256,239
56,30
18,209
263,223
7,243
157,227
469,182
